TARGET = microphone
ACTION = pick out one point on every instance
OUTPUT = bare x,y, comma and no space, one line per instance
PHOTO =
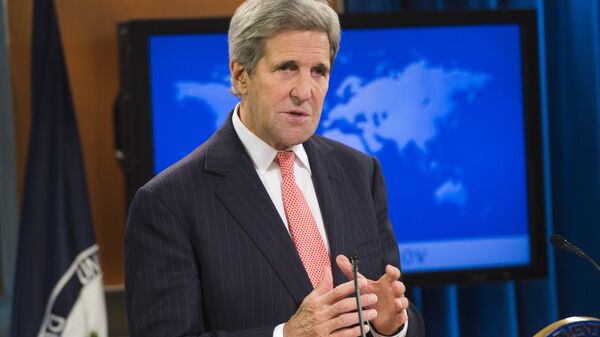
354,260
559,242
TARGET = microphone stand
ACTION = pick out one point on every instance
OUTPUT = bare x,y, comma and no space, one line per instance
587,257
559,242
354,261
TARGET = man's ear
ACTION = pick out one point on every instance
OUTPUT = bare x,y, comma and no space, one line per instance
239,76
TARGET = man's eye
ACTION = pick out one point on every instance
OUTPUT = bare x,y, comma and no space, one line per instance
320,71
286,67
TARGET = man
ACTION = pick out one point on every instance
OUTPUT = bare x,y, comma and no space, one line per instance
248,235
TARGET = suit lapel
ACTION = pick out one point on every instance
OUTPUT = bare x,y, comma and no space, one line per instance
243,194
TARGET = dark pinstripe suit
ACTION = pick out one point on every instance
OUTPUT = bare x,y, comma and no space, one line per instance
208,254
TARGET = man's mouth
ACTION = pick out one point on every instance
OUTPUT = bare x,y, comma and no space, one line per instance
297,113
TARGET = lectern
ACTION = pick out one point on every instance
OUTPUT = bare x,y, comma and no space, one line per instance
571,327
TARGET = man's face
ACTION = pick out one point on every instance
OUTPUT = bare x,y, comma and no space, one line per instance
282,100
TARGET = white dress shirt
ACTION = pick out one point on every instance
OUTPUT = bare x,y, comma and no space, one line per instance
263,158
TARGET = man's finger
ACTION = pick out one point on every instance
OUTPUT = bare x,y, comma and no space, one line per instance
351,332
401,318
401,304
349,304
326,283
346,267
398,289
350,319
392,272
342,291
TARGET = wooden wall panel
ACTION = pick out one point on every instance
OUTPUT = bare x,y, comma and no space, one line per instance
89,40
19,14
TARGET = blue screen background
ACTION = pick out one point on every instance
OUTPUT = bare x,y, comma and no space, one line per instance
440,107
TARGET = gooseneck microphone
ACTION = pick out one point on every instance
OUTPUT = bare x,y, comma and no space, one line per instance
560,242
354,260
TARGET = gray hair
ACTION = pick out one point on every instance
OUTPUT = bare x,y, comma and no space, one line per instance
255,21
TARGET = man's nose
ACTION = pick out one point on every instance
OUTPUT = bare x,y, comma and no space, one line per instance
302,90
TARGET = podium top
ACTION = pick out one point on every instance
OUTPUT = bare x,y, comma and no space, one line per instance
580,326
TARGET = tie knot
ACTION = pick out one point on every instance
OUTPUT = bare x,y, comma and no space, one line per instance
286,162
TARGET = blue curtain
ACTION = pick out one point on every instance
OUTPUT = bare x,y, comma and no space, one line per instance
573,55
569,45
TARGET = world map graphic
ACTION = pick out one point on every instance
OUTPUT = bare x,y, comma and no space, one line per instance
423,99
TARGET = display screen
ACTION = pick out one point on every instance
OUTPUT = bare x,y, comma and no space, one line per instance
440,107
447,102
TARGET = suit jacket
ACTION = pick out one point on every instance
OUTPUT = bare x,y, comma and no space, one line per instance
207,253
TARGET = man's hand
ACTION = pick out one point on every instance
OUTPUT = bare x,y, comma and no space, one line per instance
391,305
327,312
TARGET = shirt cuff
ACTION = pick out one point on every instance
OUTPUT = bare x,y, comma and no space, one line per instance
402,332
278,331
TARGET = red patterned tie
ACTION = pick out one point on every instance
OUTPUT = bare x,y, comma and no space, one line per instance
305,234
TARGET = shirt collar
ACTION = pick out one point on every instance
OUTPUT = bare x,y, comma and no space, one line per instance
261,153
